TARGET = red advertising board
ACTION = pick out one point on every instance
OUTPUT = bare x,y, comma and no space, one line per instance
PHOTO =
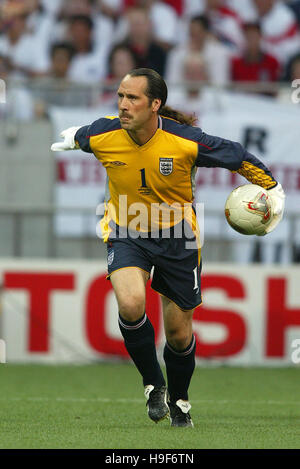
250,315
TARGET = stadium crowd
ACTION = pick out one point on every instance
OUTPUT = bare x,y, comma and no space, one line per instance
72,46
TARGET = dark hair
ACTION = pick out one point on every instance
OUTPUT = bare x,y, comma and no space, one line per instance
62,45
203,20
82,19
116,48
157,89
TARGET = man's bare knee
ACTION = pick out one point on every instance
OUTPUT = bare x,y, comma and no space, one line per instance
132,308
130,288
178,324
178,339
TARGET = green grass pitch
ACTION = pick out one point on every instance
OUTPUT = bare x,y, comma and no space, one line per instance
102,406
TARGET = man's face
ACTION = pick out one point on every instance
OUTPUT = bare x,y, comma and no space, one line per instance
198,34
121,64
80,32
61,62
140,28
253,38
135,108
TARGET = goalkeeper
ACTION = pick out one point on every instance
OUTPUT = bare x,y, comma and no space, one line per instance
151,153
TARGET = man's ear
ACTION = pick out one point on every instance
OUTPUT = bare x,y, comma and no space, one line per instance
156,104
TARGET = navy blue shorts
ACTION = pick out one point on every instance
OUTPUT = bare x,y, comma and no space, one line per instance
177,269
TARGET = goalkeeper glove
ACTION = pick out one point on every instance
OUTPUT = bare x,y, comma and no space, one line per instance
69,140
277,197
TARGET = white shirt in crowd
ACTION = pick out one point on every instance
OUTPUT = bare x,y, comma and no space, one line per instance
225,23
27,53
216,58
164,20
91,67
245,9
280,30
281,37
227,26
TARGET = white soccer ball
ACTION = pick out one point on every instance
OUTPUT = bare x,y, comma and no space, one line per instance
248,209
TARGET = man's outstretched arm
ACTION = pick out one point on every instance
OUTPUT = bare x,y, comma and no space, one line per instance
69,142
76,138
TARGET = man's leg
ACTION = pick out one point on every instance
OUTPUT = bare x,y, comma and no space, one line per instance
179,356
130,288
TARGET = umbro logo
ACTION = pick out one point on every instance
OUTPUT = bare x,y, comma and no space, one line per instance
118,163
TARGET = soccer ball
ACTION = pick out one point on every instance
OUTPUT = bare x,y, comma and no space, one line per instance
248,209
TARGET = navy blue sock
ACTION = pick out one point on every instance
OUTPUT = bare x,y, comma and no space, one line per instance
180,366
140,343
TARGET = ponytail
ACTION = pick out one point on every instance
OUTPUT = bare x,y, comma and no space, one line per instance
188,119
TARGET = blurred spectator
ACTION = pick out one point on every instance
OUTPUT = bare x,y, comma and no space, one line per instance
225,23
81,27
254,65
55,88
178,5
89,62
4,68
140,41
103,26
26,55
71,8
104,30
295,7
61,58
52,6
280,29
193,7
244,9
215,56
295,68
164,21
121,61
111,8
40,21
292,71
193,99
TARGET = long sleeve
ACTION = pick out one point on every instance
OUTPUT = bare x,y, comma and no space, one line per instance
86,136
219,152
82,138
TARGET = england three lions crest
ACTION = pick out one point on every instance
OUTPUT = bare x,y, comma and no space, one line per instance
166,166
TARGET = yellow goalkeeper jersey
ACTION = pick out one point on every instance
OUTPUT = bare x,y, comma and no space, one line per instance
151,187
